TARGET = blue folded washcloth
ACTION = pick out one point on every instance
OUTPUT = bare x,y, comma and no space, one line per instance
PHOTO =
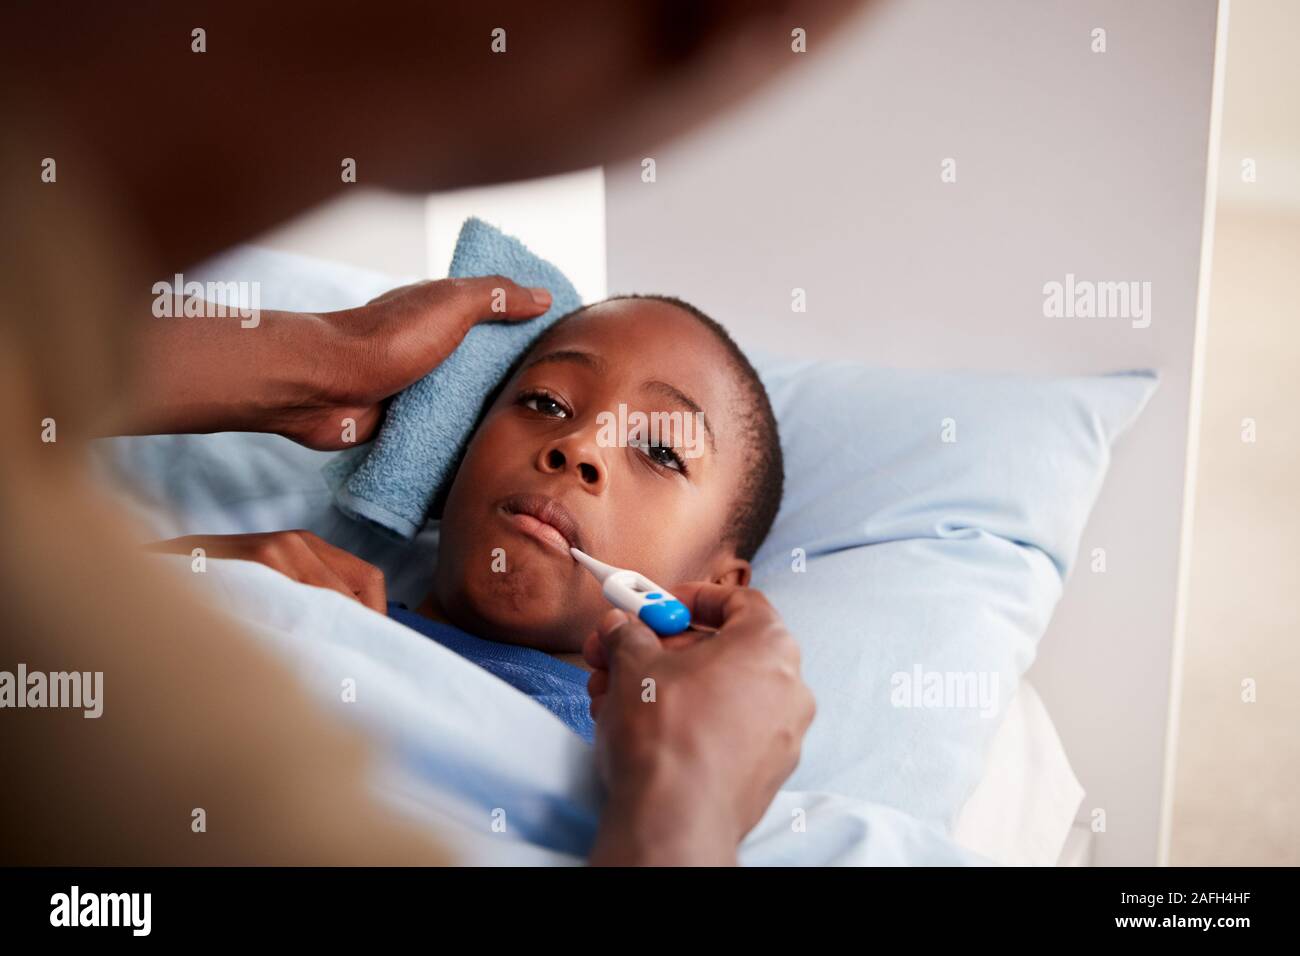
393,482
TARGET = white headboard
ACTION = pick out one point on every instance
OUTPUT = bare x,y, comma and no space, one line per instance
1068,160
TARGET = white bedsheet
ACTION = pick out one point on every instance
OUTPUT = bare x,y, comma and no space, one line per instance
459,749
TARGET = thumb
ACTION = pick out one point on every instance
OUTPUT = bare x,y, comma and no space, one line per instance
493,298
626,641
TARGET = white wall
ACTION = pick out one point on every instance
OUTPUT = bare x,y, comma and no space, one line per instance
413,236
363,227
561,218
1068,161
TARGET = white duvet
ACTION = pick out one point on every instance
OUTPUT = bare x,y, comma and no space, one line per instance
495,775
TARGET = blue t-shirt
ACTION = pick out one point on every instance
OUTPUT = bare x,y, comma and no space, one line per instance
559,687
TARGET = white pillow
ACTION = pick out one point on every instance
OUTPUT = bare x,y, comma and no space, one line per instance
1023,807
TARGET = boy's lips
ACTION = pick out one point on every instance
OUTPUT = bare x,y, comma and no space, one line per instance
545,519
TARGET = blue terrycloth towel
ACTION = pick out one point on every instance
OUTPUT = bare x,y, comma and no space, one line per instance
394,482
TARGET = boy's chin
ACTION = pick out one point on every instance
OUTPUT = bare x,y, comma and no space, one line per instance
499,609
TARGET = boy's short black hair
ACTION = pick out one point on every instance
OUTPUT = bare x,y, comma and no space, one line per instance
758,497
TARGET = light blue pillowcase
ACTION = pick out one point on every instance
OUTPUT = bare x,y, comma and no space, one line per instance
928,524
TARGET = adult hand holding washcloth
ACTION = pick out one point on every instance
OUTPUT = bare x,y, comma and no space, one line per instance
321,379
325,380
395,483
380,348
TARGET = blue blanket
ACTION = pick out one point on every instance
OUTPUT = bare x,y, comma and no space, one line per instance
559,687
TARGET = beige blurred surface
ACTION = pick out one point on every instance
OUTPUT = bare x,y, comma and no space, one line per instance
1238,770
1235,798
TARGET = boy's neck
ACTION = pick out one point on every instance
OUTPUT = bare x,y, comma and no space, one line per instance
431,609
574,659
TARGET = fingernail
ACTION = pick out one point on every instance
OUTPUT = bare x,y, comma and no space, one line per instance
540,295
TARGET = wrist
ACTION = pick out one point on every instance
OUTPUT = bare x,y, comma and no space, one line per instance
289,365
666,823
204,375
284,372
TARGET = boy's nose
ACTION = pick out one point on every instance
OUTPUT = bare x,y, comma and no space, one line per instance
572,454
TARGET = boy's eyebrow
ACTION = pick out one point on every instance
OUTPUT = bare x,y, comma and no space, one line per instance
597,364
593,362
681,398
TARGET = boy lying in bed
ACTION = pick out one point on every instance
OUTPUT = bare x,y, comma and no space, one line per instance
540,474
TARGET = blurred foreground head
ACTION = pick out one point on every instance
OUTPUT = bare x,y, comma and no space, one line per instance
165,154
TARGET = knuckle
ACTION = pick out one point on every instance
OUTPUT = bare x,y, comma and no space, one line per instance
265,547
788,674
293,548
809,707
789,738
782,649
735,602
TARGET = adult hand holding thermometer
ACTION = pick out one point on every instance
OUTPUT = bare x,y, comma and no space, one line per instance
638,595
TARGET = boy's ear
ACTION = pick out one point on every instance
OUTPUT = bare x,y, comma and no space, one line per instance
733,571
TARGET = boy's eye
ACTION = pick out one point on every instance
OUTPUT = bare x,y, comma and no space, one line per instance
664,455
541,402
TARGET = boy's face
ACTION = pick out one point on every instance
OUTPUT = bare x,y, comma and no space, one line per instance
544,449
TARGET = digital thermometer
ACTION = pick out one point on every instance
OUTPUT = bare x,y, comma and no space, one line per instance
637,594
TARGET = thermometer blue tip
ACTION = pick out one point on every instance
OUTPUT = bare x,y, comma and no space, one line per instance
666,618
